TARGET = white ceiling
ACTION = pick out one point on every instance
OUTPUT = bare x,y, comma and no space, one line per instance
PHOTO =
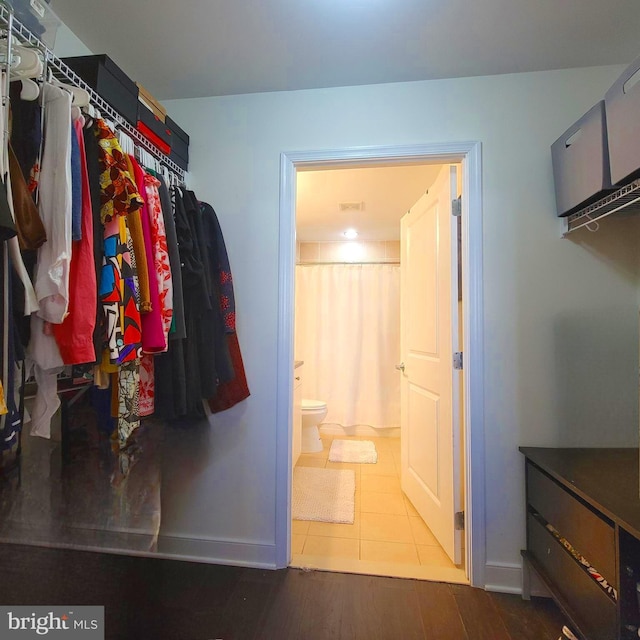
386,194
191,48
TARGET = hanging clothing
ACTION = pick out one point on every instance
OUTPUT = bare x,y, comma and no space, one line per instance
7,225
76,184
128,410
153,340
197,353
54,256
134,222
178,330
232,388
146,402
28,301
160,254
119,193
30,230
213,367
117,293
92,152
3,404
26,134
75,335
214,359
11,421
118,281
230,393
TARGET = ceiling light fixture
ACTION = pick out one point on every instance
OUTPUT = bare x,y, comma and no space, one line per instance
350,234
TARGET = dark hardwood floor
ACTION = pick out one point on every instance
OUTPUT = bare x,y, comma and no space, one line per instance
149,598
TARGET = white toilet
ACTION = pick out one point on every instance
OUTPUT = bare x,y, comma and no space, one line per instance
313,413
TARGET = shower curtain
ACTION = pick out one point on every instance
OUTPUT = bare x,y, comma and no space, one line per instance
347,331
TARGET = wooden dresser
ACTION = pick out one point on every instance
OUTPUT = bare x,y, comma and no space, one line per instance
583,522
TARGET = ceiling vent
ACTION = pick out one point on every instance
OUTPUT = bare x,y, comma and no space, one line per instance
351,206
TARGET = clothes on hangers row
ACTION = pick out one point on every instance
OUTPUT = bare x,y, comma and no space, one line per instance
113,271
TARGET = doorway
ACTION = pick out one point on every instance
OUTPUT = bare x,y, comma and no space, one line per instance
468,154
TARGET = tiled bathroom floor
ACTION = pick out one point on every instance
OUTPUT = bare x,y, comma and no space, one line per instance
388,537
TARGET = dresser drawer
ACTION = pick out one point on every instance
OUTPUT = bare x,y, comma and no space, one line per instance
593,608
589,534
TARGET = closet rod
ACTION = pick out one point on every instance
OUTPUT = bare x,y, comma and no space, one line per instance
53,62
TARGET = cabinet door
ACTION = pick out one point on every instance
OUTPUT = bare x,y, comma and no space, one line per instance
297,416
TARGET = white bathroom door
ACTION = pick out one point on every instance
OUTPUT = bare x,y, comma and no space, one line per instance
430,432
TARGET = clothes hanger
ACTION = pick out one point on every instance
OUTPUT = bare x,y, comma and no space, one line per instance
79,97
90,111
29,64
126,143
30,89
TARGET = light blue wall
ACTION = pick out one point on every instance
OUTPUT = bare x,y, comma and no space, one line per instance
561,334
561,315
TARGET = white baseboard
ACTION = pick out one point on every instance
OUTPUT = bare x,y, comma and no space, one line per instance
360,430
237,553
505,577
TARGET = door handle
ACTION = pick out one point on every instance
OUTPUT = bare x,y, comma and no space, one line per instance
400,367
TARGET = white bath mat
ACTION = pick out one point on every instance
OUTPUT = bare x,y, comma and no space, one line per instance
323,495
353,451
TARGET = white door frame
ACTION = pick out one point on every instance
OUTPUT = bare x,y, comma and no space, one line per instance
469,154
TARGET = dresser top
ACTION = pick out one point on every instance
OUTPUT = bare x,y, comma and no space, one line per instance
605,478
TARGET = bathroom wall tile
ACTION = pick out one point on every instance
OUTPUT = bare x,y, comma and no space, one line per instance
300,527
388,528
373,251
421,533
389,503
392,250
330,251
349,251
375,551
380,469
382,484
434,556
328,546
309,251
297,542
330,529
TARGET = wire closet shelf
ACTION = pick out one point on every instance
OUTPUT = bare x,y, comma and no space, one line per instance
626,198
60,69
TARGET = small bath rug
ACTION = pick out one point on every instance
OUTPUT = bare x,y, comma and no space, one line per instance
353,451
324,495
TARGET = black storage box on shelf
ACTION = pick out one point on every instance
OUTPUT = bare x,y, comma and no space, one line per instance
580,158
103,75
622,105
179,144
156,131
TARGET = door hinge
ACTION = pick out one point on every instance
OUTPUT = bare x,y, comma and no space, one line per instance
458,521
457,360
456,206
